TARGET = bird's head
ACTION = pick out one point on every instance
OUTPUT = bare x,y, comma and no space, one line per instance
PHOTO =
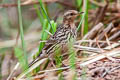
70,15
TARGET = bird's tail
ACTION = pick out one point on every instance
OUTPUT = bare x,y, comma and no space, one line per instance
36,59
45,51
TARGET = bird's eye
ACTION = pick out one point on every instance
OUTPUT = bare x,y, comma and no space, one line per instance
71,14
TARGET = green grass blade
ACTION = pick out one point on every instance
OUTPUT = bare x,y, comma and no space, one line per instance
44,13
21,32
86,17
21,58
43,9
61,77
54,26
72,58
58,57
43,37
58,62
21,25
79,3
44,34
39,14
82,19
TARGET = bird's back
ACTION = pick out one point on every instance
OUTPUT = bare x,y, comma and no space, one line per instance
61,36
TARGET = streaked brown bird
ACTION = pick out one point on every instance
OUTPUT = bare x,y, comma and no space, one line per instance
64,31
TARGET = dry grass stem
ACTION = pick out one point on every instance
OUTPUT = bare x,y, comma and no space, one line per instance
101,56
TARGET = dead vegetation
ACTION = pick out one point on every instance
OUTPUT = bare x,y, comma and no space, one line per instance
97,52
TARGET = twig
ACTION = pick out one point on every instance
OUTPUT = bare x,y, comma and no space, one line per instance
99,45
62,68
99,57
31,68
90,49
93,31
113,45
93,41
42,41
114,36
105,73
106,30
51,70
48,32
15,68
108,42
37,2
26,4
97,3
66,4
100,14
35,77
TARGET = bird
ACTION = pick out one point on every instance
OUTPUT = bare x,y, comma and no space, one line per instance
62,35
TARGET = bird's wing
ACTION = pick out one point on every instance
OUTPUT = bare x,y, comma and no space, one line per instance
53,41
49,45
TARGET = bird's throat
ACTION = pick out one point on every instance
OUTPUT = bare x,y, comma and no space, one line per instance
70,24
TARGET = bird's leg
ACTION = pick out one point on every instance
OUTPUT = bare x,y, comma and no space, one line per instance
52,61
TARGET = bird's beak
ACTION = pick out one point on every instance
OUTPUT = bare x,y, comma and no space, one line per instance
79,13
